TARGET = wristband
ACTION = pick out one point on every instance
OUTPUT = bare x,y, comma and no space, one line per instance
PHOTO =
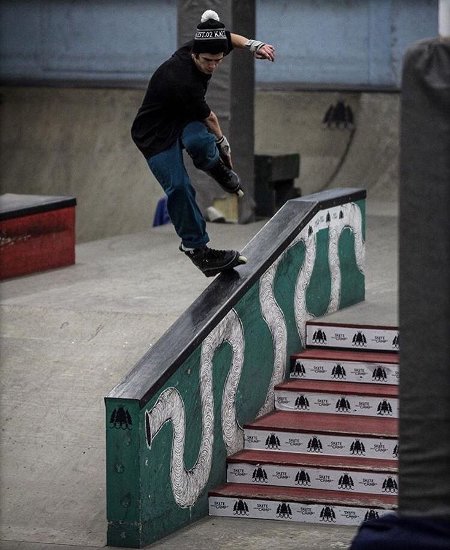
223,145
254,45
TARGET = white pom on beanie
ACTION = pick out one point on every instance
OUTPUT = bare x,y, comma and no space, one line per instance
209,14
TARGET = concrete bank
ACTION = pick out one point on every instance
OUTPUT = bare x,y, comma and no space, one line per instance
72,141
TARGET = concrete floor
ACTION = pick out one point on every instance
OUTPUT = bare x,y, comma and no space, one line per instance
224,533
69,335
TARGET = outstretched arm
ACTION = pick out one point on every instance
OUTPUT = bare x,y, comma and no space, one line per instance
259,49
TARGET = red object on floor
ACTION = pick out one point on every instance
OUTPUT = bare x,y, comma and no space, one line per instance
36,233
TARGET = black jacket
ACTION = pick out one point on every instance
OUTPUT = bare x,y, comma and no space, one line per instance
174,97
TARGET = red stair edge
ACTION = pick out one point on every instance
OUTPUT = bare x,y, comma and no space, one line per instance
323,423
271,492
342,388
340,354
281,458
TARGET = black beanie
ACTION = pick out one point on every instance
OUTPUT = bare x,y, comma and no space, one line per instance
210,36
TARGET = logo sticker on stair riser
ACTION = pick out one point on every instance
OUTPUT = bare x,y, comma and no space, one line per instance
309,443
345,371
352,405
314,478
353,338
291,511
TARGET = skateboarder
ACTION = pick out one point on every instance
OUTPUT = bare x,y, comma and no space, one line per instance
174,116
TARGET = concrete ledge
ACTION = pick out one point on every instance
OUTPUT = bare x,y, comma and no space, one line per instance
210,308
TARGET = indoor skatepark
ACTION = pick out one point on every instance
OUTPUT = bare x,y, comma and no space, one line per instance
88,317
98,305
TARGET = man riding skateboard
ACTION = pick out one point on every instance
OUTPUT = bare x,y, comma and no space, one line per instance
174,116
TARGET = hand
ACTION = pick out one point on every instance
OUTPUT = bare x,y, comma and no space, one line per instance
266,51
224,151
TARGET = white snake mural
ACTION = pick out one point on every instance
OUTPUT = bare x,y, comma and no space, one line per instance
188,484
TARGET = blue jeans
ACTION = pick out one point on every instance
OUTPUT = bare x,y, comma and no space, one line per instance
168,168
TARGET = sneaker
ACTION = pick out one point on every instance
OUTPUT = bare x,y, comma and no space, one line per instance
211,262
226,178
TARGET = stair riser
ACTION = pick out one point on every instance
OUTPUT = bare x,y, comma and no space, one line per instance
345,371
374,483
348,405
334,445
354,338
291,511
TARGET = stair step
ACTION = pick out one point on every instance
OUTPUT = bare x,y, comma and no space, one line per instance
326,434
347,388
352,463
325,424
356,337
313,476
295,504
337,398
351,366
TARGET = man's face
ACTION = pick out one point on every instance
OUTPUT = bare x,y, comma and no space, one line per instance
207,62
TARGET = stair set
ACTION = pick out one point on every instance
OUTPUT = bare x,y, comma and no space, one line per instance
328,452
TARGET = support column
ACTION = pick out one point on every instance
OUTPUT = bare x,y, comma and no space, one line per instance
425,281
230,95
